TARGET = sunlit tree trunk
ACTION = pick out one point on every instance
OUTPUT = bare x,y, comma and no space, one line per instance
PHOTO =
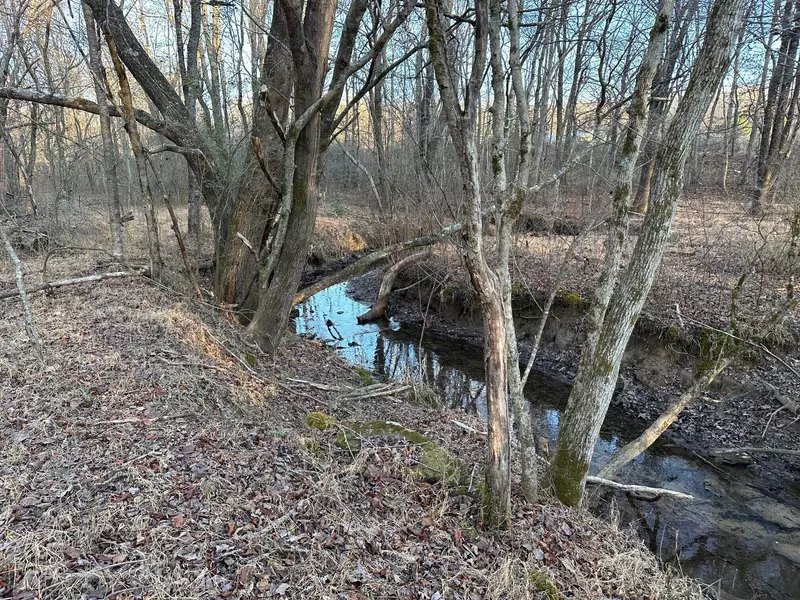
462,124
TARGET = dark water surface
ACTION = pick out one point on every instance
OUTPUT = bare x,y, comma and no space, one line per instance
734,534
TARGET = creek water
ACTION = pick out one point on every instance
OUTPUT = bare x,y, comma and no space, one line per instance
735,536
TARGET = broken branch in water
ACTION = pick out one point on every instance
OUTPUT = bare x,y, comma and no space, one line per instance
638,489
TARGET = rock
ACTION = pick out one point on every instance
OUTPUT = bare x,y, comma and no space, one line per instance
436,463
774,512
790,552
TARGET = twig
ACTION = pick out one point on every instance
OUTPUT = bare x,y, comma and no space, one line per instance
467,427
247,243
385,392
724,451
134,420
320,386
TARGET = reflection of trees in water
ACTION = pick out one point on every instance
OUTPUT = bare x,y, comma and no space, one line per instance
379,364
401,359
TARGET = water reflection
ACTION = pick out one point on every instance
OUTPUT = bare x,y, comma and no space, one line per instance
726,535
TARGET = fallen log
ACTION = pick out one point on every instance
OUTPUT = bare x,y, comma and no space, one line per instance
372,261
638,489
633,449
73,281
378,310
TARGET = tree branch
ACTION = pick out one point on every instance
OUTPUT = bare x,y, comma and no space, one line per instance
82,104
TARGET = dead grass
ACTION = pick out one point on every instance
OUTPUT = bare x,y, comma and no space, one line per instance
141,460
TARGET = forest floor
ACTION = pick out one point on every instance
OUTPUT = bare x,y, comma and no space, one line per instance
154,454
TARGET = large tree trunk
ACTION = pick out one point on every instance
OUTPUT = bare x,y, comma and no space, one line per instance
284,254
598,371
257,199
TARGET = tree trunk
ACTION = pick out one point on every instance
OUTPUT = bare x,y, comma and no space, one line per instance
110,154
463,132
660,100
132,128
776,126
598,372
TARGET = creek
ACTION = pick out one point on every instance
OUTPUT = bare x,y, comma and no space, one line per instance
735,536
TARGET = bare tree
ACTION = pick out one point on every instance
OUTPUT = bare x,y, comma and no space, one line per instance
462,123
599,369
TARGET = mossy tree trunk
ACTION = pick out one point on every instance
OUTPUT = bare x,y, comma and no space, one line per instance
598,371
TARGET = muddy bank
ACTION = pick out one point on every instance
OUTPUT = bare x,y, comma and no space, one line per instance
657,367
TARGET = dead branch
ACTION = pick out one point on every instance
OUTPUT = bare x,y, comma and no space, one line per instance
727,451
137,420
176,149
82,104
373,260
320,386
387,390
633,449
466,427
64,249
786,402
74,281
638,489
20,291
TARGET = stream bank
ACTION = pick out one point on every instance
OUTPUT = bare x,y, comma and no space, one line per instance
742,531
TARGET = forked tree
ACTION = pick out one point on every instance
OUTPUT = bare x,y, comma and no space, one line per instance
599,366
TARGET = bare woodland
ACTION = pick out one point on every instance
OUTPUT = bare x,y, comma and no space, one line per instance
631,160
